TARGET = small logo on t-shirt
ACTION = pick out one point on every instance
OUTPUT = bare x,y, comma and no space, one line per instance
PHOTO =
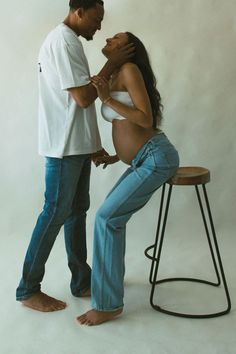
40,69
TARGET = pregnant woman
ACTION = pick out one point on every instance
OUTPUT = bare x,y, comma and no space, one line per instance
132,103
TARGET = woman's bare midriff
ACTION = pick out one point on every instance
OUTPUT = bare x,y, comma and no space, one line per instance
128,138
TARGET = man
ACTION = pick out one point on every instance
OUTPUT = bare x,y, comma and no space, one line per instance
68,136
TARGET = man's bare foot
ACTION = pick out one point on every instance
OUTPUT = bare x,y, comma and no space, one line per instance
43,302
94,317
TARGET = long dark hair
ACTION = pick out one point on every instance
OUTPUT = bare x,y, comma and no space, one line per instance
141,59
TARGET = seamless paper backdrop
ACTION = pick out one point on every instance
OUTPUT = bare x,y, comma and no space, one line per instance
192,50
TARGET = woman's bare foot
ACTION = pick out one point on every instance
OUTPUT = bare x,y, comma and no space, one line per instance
43,302
94,317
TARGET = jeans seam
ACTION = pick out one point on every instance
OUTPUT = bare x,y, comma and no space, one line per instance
53,214
105,242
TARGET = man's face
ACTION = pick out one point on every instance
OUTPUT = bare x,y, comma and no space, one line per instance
90,21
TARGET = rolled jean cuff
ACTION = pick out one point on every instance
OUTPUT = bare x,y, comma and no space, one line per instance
22,294
109,310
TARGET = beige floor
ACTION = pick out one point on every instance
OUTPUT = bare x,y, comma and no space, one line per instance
140,329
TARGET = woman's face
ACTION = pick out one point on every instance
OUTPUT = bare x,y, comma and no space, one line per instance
119,40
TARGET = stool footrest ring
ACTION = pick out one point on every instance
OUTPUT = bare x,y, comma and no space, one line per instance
148,255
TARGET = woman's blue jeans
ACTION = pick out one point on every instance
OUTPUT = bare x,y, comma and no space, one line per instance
154,164
66,203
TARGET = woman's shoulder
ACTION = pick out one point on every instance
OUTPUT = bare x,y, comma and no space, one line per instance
129,70
129,67
129,75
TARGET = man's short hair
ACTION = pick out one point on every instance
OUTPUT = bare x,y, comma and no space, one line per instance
85,4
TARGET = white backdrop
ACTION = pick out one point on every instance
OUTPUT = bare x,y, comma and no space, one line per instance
193,53
192,49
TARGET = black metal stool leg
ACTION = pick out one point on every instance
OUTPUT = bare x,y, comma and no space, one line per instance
153,257
227,310
157,247
208,237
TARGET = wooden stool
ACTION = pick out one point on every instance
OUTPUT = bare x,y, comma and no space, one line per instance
187,176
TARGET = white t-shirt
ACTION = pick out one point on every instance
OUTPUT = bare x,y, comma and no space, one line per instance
64,127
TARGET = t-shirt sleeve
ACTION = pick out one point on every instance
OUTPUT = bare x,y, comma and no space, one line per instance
71,65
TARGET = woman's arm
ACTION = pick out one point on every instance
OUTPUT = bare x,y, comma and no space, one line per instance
132,81
85,95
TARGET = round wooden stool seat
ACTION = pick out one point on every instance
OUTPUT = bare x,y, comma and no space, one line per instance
190,176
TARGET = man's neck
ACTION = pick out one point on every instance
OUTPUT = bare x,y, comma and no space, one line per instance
70,23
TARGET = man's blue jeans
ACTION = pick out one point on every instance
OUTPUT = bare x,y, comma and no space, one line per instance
154,164
66,203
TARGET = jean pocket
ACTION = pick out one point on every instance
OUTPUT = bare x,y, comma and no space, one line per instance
167,158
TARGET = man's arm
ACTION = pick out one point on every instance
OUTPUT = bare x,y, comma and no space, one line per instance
85,95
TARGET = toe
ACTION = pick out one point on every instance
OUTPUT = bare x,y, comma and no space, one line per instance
81,319
89,323
62,303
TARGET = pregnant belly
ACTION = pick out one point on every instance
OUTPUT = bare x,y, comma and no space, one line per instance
128,138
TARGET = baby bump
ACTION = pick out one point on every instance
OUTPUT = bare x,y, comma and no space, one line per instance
128,139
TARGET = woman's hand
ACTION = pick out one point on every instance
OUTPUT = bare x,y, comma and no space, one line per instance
102,86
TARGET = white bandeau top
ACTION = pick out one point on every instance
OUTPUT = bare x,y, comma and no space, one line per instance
108,113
